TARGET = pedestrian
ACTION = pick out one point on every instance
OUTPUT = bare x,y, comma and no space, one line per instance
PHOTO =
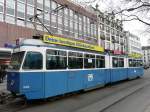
3,73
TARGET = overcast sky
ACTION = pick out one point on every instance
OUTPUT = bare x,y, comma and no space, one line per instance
134,27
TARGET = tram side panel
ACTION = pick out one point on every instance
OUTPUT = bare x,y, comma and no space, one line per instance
13,82
118,73
134,71
140,71
32,84
55,83
62,82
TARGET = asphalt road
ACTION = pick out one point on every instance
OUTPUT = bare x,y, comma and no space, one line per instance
138,102
73,103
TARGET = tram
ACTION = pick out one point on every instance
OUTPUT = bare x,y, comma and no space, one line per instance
39,70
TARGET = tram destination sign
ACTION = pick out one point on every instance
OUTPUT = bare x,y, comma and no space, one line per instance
68,42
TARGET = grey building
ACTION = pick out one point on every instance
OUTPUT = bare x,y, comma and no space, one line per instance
146,55
133,44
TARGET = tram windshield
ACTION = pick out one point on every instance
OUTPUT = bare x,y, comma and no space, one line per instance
16,60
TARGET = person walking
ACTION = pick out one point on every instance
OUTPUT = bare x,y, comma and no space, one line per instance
2,73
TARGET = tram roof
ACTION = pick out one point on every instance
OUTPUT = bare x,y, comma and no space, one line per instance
40,43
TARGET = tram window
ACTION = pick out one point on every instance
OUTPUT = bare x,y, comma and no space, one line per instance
100,62
130,61
115,62
140,63
57,61
75,60
121,62
89,61
134,63
33,60
16,60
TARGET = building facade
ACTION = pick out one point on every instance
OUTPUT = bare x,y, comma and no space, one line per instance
133,44
148,42
74,21
146,55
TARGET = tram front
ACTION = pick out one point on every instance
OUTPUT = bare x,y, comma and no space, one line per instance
13,72
25,73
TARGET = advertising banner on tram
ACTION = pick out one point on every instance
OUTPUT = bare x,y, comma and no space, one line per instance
72,43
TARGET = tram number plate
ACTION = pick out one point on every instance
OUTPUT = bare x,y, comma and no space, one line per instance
90,77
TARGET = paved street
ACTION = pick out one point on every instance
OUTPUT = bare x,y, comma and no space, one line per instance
138,102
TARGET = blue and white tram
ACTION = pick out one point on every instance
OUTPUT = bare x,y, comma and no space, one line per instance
39,71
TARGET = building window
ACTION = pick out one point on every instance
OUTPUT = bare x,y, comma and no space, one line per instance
20,10
53,20
40,4
10,7
1,6
22,1
47,5
30,2
30,11
53,5
1,17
